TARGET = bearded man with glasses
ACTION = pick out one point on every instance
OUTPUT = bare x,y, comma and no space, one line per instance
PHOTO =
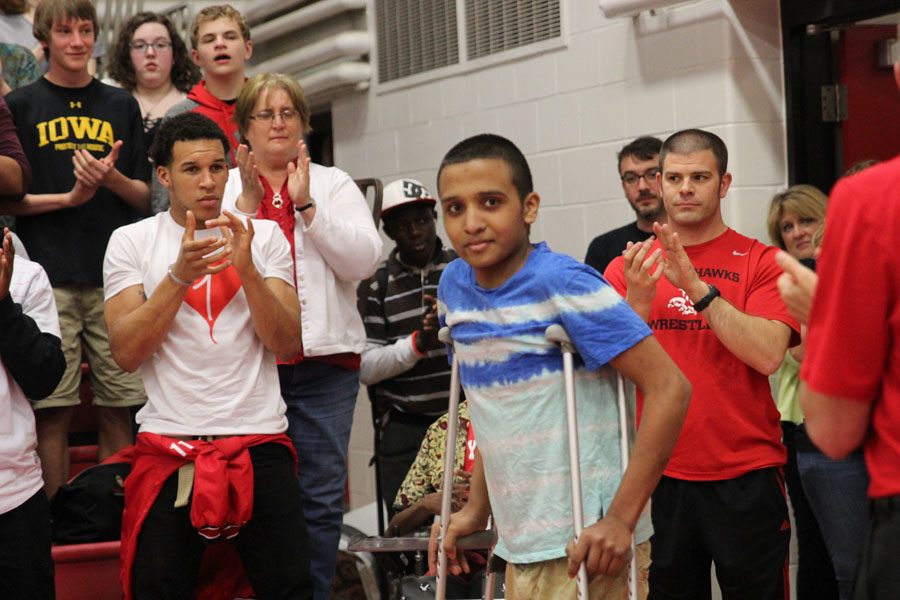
638,165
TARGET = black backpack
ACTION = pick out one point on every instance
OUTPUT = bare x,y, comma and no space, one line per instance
89,507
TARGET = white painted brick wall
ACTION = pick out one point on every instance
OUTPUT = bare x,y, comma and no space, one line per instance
713,64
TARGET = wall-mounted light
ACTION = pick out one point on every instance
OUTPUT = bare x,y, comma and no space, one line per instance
612,9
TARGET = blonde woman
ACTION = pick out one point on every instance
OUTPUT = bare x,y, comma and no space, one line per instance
335,244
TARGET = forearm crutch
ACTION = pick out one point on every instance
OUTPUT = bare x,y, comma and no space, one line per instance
557,335
625,450
449,465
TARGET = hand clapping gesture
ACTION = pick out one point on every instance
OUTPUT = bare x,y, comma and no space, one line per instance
95,172
7,257
80,193
238,239
251,187
298,182
199,257
643,269
677,266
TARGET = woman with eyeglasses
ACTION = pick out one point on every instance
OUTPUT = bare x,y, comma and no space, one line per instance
151,61
829,496
334,245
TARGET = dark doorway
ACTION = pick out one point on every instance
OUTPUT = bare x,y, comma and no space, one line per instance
320,140
841,105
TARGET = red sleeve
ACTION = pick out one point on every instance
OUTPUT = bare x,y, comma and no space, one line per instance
763,299
847,341
615,275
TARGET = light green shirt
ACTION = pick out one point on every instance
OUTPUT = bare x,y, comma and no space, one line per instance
787,400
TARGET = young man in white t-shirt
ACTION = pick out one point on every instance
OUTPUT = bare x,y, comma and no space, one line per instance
201,302
31,365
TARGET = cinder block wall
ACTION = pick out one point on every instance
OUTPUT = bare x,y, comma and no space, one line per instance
714,64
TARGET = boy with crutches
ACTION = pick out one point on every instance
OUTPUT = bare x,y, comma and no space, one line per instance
497,301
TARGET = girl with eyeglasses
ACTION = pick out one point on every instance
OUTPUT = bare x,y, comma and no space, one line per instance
151,61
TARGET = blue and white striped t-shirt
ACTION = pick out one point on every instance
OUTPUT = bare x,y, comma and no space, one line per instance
514,385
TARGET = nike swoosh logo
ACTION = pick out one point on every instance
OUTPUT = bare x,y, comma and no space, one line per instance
736,253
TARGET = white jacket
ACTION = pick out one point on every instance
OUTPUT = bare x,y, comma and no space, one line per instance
340,248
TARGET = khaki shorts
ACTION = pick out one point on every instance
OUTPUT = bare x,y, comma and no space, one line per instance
84,330
550,580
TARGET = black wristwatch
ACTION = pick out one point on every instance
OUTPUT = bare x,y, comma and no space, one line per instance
703,302
306,206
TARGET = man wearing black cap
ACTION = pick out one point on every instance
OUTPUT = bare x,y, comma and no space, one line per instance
404,365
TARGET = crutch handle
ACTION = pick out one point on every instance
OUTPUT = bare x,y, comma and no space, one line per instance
557,335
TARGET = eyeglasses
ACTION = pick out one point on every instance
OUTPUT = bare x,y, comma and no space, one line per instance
158,46
631,178
266,116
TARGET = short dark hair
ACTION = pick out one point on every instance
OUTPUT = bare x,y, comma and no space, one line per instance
689,141
487,146
644,148
14,7
184,72
186,127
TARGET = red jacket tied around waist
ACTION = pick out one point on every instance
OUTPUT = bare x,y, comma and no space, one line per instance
222,496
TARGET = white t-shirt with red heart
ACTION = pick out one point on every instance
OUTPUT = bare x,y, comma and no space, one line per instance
211,375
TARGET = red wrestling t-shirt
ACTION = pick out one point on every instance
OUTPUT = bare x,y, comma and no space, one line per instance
732,425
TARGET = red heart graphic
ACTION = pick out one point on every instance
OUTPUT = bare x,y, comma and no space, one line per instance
210,295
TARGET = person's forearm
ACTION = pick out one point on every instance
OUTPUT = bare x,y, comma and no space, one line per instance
409,518
12,182
479,503
36,204
836,425
134,192
756,341
349,244
642,309
136,336
664,412
276,317
246,206
33,358
384,362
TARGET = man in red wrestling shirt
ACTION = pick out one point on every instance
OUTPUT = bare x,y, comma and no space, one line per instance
201,302
721,498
